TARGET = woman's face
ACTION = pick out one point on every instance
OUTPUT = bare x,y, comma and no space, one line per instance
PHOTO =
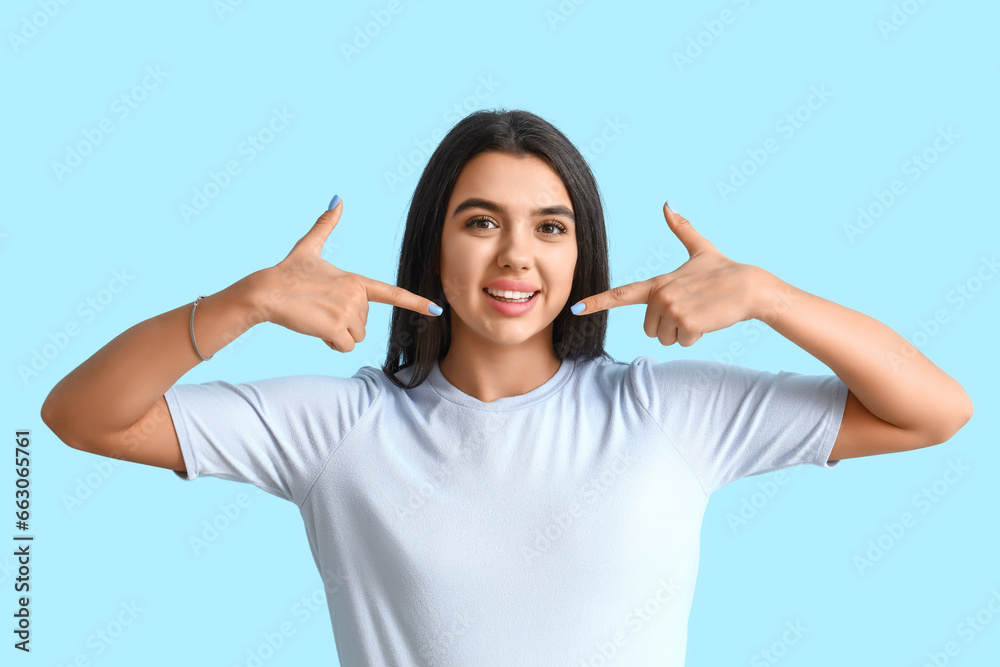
508,218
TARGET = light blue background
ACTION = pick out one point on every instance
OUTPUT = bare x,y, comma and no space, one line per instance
681,130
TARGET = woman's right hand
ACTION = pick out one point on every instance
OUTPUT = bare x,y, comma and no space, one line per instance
305,293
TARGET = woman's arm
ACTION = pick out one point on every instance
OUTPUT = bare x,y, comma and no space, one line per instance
898,399
113,402
121,383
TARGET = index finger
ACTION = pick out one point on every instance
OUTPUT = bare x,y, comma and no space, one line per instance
394,295
623,295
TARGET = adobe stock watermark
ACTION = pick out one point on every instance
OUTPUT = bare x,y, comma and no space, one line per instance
968,629
560,523
710,373
271,641
434,649
213,528
914,167
640,616
86,485
714,27
223,8
749,331
364,34
244,329
473,438
87,311
427,489
333,582
751,505
561,13
248,149
959,297
787,126
121,107
655,264
900,15
597,146
108,633
779,647
32,24
105,466
923,501
407,165
307,606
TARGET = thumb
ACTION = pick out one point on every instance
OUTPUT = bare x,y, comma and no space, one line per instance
320,231
682,229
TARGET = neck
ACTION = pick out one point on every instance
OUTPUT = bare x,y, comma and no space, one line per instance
488,371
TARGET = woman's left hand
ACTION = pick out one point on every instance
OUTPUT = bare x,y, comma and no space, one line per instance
707,293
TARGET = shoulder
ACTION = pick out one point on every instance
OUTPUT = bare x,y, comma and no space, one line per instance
303,385
644,374
687,383
292,393
693,384
648,373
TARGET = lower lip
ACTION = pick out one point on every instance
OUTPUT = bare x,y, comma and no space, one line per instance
511,308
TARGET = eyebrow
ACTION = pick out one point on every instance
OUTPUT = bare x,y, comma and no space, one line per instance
476,202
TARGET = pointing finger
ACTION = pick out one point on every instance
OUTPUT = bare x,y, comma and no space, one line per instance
623,295
393,295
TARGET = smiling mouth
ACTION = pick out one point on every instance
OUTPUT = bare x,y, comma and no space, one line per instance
502,299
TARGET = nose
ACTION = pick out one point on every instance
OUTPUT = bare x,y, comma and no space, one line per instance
515,248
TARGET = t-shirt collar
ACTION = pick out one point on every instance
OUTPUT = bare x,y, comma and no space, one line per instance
447,390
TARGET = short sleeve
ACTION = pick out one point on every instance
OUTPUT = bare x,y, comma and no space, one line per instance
275,433
729,421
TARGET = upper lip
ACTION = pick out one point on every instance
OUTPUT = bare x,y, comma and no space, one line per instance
508,285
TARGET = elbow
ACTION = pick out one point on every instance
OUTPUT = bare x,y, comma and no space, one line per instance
960,416
52,409
50,414
965,414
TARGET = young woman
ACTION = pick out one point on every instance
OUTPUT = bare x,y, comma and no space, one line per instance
502,491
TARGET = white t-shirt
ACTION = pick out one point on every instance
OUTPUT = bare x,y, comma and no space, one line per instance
558,527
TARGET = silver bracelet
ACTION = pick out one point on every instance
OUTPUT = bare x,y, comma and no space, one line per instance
193,342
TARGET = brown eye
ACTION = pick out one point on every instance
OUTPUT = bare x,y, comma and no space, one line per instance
482,218
473,223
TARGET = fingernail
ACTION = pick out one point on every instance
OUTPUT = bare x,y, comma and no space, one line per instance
333,202
435,309
578,308
669,206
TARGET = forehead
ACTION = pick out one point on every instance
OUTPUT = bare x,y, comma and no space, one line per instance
523,181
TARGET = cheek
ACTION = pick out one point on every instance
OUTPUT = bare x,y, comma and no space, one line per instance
459,272
569,269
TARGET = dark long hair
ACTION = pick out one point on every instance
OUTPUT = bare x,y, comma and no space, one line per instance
421,340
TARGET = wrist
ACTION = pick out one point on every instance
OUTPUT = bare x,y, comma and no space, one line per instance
772,295
252,295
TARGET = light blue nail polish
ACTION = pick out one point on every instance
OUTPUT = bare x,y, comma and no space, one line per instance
578,308
435,309
333,202
669,206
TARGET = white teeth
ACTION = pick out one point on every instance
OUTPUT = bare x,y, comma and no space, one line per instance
508,294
